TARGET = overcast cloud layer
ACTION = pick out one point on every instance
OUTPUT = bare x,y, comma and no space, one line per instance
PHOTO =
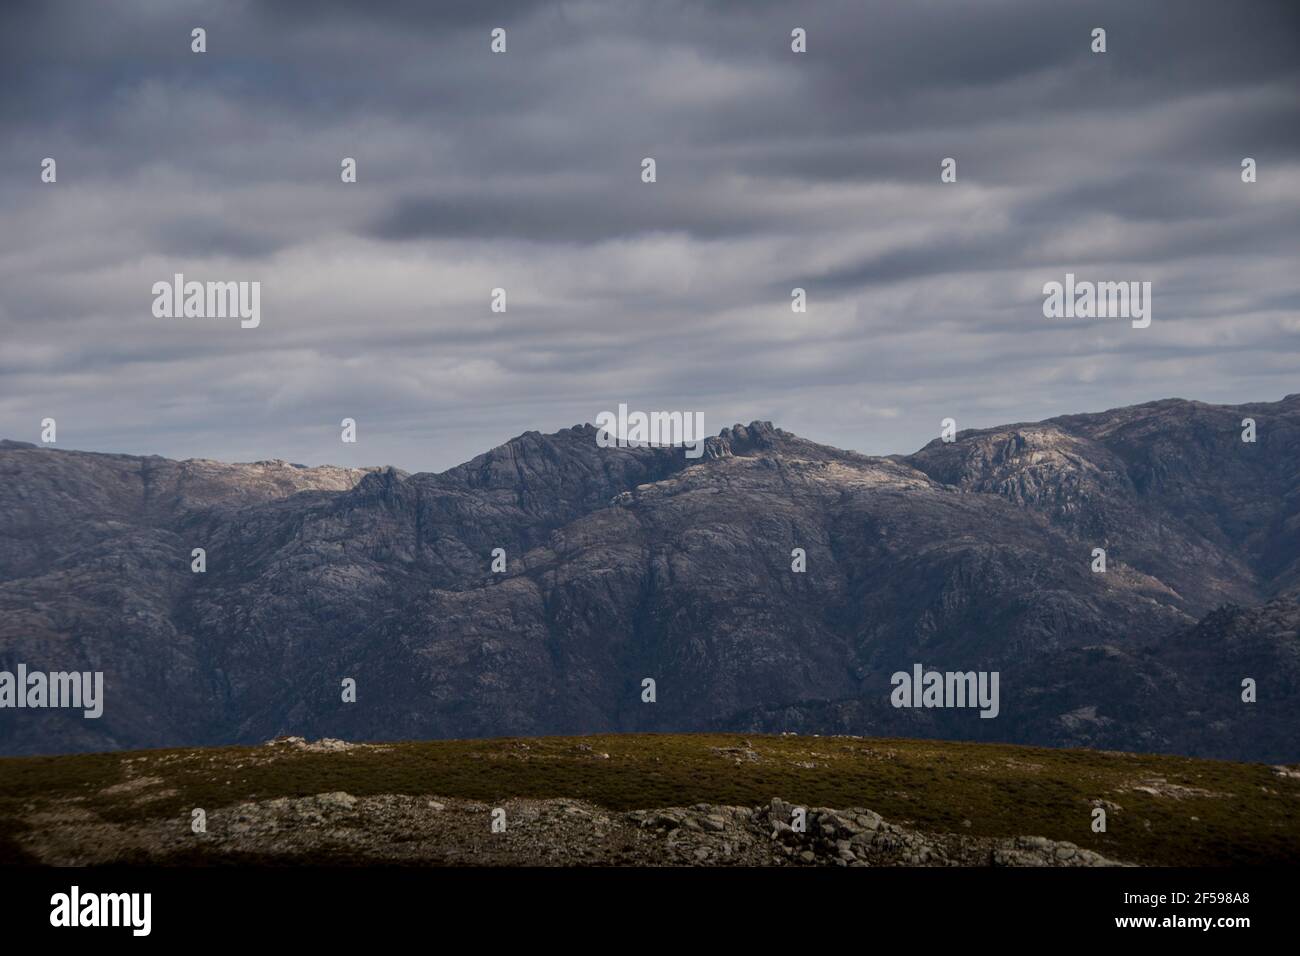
522,171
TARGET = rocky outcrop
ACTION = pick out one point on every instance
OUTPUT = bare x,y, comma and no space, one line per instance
338,827
821,836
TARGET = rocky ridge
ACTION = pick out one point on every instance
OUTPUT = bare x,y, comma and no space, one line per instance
438,830
628,563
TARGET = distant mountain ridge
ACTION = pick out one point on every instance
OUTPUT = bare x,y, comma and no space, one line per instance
628,563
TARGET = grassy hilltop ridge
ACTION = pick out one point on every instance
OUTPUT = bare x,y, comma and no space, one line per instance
1161,810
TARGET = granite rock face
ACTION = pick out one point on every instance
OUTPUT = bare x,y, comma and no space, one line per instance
634,563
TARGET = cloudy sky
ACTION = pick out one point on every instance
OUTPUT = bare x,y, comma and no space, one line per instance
522,171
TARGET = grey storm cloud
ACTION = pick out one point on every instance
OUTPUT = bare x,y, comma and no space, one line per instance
522,171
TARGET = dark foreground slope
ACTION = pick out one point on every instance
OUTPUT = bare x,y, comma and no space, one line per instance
627,564
647,799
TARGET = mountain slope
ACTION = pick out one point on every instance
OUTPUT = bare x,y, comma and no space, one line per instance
626,564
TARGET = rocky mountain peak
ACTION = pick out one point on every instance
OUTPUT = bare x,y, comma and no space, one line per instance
623,563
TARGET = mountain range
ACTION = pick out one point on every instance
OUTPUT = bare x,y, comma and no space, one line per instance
623,564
